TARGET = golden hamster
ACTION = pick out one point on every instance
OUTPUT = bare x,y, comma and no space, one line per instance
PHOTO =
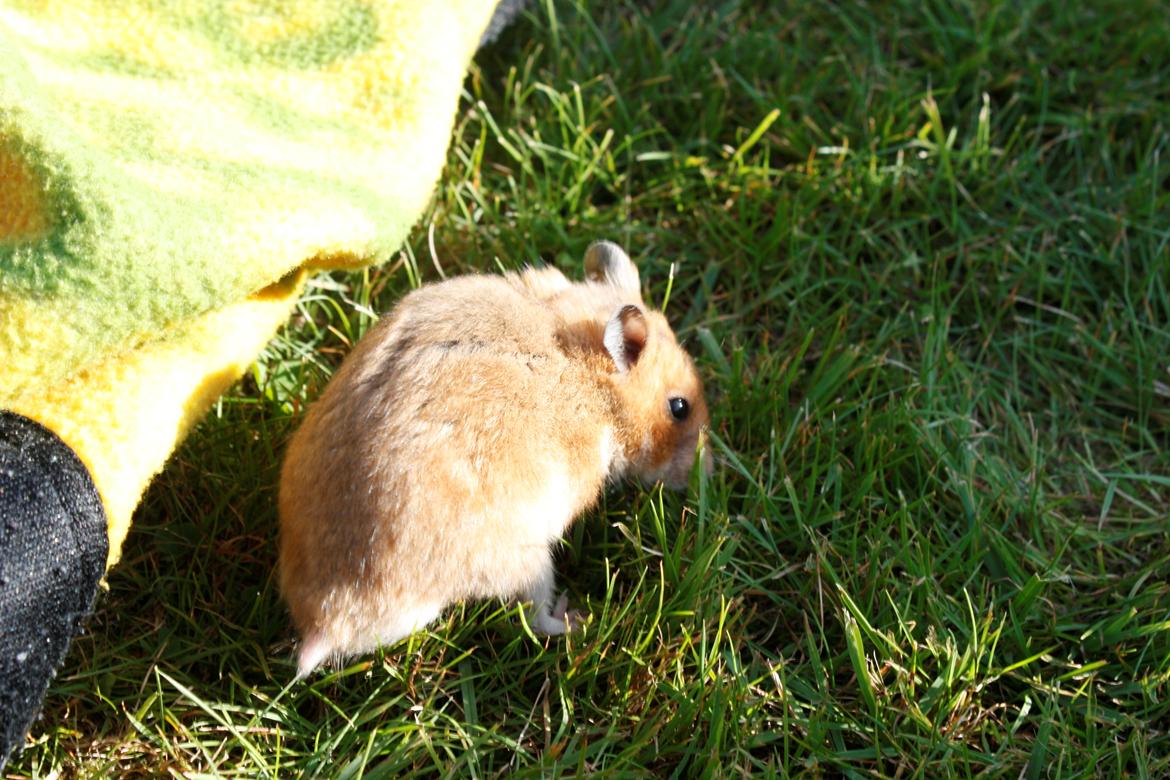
460,439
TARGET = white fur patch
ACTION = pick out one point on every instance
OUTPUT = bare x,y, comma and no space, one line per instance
613,462
407,621
548,515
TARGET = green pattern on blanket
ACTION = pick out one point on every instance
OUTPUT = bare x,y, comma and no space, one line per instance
159,160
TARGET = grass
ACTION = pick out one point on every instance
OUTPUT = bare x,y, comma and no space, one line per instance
921,253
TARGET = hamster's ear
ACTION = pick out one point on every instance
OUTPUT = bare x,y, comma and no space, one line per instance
607,262
625,337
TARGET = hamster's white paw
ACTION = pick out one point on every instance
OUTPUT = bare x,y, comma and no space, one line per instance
557,620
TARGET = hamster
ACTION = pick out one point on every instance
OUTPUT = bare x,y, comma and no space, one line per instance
462,436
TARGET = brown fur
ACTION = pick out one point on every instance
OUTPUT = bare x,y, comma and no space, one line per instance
460,439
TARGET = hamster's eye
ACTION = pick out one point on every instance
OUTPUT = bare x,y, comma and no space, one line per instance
679,408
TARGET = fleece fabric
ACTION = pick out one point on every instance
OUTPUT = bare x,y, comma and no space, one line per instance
124,416
161,159
168,172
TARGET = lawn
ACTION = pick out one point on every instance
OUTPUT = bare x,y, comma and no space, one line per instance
921,254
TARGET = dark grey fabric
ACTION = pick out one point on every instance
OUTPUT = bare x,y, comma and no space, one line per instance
505,13
53,548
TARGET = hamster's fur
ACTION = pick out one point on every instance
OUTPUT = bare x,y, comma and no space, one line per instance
462,436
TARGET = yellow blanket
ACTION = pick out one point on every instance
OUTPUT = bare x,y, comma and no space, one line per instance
169,171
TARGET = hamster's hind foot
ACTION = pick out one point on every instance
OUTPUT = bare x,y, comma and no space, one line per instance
556,619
